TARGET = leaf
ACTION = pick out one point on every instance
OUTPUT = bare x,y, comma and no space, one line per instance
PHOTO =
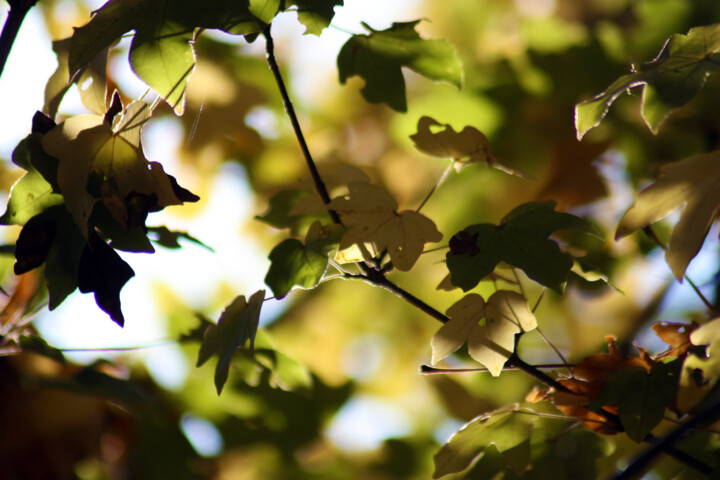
503,428
34,242
676,335
521,240
97,163
91,81
32,193
668,81
370,213
264,10
294,263
694,184
161,53
103,272
641,397
468,146
490,342
379,57
316,15
280,212
63,258
237,325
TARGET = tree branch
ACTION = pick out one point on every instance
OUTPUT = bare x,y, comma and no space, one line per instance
708,415
15,18
290,110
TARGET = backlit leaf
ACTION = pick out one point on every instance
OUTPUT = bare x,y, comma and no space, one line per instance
492,341
32,193
468,146
237,326
98,163
379,56
294,263
694,184
669,81
521,240
505,428
370,213
161,53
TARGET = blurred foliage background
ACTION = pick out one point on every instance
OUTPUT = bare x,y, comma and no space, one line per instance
346,399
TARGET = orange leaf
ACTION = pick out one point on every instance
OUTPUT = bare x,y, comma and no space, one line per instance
676,335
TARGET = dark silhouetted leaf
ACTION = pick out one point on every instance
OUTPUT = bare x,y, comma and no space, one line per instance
35,344
167,238
316,15
102,271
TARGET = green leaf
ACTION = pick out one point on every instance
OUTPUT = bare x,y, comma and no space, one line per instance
161,53
264,10
669,81
521,240
32,193
379,57
35,344
316,15
504,428
294,263
237,325
641,397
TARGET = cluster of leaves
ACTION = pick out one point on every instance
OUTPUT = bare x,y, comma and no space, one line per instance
88,190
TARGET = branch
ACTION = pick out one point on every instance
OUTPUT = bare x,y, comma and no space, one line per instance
15,18
708,415
290,110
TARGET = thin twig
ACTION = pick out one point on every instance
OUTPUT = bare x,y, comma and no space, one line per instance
290,110
440,181
16,16
428,370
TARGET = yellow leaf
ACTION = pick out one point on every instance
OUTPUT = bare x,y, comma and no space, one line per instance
468,146
465,316
693,183
493,342
490,342
370,213
87,146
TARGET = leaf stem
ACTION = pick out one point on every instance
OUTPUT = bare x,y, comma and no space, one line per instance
440,181
290,110
15,18
428,370
651,234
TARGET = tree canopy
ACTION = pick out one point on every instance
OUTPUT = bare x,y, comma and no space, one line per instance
477,240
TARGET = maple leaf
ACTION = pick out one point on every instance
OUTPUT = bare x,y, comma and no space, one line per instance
693,183
370,213
521,240
303,264
676,335
316,15
492,341
669,81
99,163
379,57
237,325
